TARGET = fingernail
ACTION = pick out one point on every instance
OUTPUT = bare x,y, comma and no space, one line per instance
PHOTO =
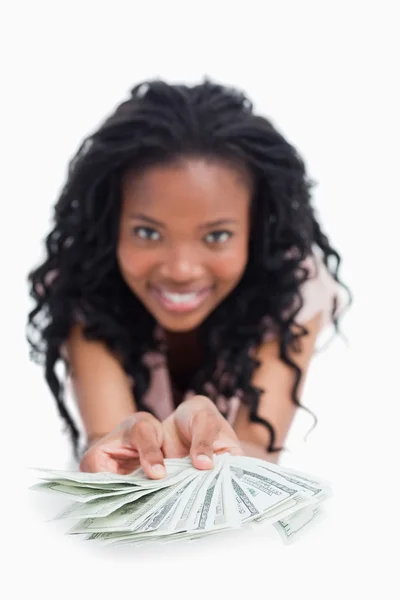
158,470
204,458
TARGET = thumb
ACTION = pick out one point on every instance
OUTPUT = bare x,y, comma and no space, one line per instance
205,429
146,435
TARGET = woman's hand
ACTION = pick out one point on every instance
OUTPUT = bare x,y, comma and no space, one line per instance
136,442
197,428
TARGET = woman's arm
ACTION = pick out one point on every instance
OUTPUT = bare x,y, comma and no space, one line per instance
276,405
101,387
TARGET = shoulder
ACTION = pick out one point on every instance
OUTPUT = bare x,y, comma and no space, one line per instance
269,350
320,293
320,297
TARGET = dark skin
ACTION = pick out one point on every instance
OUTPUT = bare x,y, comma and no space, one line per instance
182,249
182,226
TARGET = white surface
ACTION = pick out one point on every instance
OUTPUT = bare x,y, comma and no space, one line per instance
327,78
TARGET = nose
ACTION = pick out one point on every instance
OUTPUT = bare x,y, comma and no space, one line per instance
181,265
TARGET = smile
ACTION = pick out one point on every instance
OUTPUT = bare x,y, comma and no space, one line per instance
180,302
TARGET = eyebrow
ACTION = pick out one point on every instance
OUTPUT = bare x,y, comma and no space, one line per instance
141,217
208,225
218,223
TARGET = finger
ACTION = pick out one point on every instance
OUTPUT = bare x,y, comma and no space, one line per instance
126,467
106,464
205,428
228,443
118,448
235,450
147,438
96,461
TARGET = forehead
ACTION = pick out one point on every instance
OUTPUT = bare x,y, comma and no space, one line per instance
191,189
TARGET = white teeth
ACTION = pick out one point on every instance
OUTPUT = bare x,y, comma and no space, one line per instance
180,298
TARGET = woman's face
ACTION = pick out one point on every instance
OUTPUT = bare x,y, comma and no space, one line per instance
183,242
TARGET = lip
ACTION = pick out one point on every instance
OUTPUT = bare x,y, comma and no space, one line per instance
192,304
162,288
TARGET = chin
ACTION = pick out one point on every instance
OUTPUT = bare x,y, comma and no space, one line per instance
181,324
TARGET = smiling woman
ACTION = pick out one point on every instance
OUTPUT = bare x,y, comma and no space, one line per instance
185,283
183,241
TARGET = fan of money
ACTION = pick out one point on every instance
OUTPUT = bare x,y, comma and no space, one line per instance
188,503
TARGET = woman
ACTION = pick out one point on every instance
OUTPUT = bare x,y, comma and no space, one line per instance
185,282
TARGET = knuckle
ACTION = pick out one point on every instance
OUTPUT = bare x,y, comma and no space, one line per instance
203,401
204,445
144,428
152,454
146,423
88,461
139,419
146,438
144,416
209,420
141,425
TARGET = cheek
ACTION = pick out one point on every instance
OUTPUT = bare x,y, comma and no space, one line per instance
134,263
230,265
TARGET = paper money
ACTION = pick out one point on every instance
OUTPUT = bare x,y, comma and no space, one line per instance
188,503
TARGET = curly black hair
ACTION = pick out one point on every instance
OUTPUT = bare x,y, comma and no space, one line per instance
80,278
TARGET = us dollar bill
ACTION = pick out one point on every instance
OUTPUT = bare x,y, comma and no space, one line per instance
188,503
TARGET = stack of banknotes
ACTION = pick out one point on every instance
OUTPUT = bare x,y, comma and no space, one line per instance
188,503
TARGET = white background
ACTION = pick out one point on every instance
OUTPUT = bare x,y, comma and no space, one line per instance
325,73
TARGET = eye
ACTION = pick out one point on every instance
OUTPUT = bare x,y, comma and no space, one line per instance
147,233
218,237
